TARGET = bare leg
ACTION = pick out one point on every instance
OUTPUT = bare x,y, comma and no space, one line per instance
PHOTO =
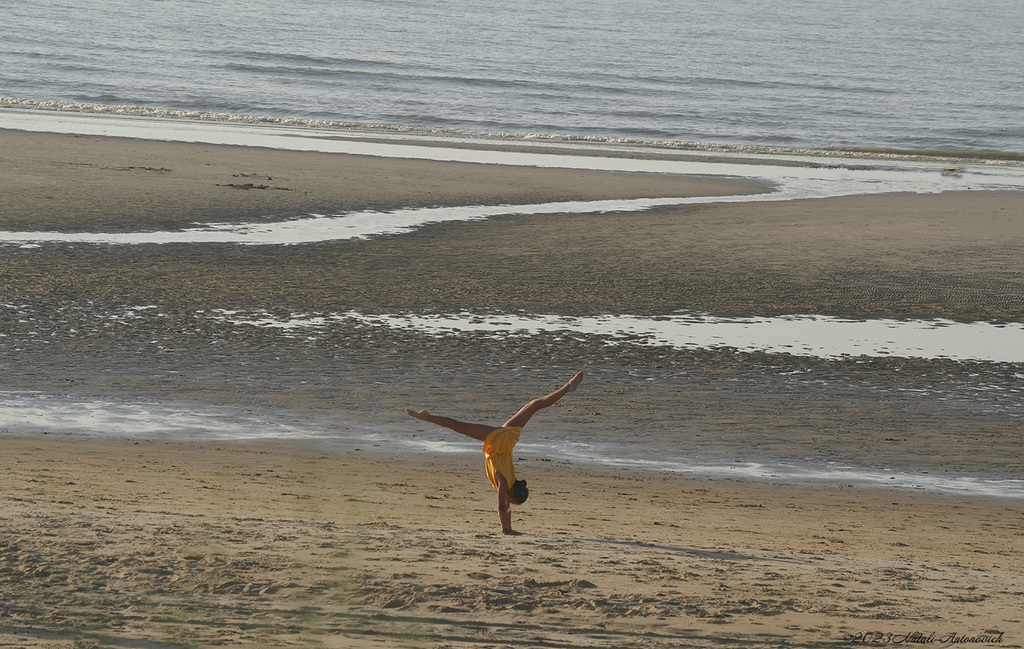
523,416
476,431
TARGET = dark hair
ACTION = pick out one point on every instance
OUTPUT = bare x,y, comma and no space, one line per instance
519,491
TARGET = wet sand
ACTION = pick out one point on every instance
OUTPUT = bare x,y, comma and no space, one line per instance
168,544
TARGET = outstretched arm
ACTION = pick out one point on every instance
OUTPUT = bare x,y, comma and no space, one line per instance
504,507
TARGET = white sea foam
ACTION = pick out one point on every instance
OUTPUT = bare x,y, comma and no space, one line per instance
35,411
834,474
798,335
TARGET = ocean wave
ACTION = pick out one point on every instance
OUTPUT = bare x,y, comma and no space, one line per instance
1008,158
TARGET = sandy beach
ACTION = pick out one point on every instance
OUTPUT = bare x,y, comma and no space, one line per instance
163,544
171,542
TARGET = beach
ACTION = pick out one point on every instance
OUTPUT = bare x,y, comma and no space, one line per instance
117,539
164,544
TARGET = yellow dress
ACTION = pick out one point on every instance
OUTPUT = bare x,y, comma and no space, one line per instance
498,454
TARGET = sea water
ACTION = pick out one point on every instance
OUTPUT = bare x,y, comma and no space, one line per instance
916,74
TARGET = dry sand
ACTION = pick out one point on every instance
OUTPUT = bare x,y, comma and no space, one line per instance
89,183
155,544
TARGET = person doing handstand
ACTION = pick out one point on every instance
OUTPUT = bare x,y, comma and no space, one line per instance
498,443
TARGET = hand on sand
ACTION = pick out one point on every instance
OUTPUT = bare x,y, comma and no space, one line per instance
422,414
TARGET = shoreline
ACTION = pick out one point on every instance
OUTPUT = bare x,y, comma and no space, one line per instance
135,424
215,544
770,176
526,142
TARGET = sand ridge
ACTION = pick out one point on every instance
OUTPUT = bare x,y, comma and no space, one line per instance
81,183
